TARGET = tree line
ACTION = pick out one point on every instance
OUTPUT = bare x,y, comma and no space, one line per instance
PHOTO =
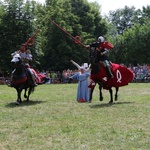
127,29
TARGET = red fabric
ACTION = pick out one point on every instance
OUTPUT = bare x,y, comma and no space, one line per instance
19,81
39,76
81,100
106,45
122,76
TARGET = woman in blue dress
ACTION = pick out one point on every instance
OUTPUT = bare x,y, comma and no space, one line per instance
82,91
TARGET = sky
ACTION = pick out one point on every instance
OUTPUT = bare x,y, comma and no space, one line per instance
107,5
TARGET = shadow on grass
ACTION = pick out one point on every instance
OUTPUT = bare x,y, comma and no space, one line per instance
109,104
24,103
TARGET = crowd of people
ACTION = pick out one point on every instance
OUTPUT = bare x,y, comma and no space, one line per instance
141,74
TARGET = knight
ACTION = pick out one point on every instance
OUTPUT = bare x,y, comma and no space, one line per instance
26,57
102,47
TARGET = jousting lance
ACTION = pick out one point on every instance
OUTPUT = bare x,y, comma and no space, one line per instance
31,39
76,39
30,42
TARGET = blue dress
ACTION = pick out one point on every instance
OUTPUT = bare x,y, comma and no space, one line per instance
82,92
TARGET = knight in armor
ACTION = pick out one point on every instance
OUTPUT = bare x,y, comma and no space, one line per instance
26,57
102,48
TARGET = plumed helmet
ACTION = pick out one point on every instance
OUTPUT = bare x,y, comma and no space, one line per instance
101,39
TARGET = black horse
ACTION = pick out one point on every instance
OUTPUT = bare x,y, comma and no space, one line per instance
20,79
94,70
95,67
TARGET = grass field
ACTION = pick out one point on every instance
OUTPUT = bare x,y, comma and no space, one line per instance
53,120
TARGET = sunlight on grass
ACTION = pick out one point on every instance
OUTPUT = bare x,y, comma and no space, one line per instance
54,120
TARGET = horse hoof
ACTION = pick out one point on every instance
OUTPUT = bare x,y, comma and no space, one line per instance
116,98
17,103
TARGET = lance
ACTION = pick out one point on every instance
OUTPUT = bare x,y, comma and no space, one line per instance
29,42
31,39
74,38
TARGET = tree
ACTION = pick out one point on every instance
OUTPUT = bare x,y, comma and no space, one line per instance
77,18
122,18
133,43
15,28
53,48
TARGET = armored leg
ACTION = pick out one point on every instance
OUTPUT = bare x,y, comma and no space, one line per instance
31,77
107,64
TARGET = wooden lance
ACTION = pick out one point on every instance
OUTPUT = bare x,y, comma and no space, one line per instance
76,39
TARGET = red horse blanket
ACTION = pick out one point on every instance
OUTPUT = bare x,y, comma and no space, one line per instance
38,76
122,76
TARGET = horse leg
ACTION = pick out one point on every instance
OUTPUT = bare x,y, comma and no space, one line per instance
91,93
116,94
19,100
111,95
29,92
100,90
25,93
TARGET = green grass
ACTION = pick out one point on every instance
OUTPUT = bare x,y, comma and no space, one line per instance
53,120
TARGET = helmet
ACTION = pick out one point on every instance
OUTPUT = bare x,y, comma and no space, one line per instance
101,39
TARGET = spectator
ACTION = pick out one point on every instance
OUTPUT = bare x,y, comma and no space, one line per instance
87,69
82,92
48,79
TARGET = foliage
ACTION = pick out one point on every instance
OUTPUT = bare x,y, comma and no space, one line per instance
54,120
76,17
15,27
127,28
132,38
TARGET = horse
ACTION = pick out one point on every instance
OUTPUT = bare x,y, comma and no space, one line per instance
20,79
101,85
122,76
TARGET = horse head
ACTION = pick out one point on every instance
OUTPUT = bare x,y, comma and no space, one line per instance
93,60
93,55
16,60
